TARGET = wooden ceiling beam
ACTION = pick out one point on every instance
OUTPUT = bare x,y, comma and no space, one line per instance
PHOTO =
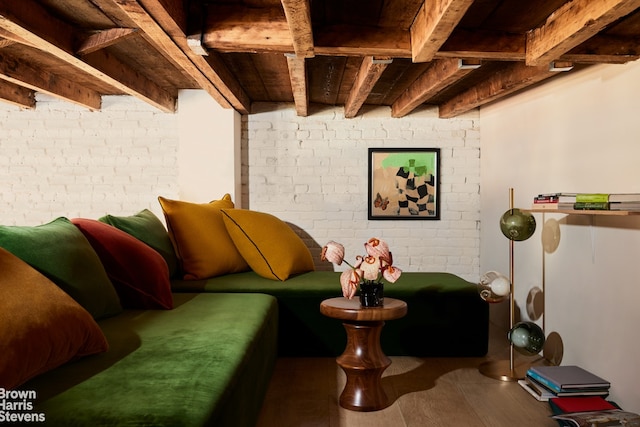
435,21
570,25
243,29
17,95
353,40
22,73
604,49
6,42
299,86
298,14
104,38
29,21
164,32
370,71
499,46
441,74
514,77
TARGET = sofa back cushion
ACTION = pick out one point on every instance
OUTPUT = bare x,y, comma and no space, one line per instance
61,252
139,274
147,228
41,327
200,239
268,244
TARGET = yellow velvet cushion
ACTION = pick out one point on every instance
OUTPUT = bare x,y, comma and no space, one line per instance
200,239
268,244
41,327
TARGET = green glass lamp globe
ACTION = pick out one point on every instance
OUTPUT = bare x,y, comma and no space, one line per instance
527,338
517,225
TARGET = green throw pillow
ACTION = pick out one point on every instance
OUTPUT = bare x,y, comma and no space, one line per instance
147,228
61,252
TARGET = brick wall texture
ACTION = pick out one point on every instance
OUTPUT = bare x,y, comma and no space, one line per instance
312,173
63,160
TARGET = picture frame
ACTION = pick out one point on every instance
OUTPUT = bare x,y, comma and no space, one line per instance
404,184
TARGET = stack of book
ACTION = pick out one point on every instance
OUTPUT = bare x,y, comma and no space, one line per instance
624,202
547,382
554,201
587,201
591,201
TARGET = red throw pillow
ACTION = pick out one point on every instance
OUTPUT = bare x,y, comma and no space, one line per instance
139,274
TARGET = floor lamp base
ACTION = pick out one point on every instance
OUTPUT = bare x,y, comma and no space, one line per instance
501,370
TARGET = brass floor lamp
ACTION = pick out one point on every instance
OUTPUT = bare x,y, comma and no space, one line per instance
525,337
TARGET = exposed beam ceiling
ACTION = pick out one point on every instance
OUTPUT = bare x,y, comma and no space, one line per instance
456,54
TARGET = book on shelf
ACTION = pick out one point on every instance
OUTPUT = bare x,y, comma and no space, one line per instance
593,206
545,205
567,377
592,197
624,206
546,198
553,201
561,197
624,197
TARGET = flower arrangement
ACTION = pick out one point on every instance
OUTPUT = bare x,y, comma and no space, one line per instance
371,268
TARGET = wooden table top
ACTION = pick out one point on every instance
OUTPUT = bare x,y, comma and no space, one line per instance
350,309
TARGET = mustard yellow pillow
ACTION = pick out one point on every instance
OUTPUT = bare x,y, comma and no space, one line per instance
268,244
200,239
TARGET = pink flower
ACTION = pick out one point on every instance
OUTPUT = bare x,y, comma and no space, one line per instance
349,280
391,273
378,248
374,266
370,267
333,252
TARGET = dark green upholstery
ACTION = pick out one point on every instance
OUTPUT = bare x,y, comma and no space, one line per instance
446,315
206,362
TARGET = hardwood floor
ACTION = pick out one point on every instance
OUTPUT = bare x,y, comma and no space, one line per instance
433,392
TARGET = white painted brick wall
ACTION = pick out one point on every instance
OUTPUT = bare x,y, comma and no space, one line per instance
312,173
63,160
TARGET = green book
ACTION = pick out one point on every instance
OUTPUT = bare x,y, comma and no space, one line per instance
601,206
592,197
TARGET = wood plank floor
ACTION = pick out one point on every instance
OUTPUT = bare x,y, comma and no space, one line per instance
434,392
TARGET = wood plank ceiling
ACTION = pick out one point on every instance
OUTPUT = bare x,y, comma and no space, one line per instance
456,54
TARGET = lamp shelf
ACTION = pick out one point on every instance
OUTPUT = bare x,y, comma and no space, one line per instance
584,212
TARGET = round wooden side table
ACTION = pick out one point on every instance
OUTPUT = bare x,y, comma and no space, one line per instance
363,361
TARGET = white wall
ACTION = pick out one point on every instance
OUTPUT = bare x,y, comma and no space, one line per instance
209,149
312,173
576,134
64,160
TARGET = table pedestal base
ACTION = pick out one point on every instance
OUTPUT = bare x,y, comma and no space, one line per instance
363,362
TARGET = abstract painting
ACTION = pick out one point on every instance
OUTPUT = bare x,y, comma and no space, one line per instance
404,183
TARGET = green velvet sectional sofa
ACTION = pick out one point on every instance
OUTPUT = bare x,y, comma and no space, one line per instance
121,321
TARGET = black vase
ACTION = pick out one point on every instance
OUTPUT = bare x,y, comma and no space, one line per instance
371,294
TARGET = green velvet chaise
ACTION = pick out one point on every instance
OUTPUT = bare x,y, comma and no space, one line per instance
446,315
207,362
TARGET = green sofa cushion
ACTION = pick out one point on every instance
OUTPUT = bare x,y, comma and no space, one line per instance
446,315
147,227
198,364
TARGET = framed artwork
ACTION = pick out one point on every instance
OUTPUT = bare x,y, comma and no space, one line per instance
404,183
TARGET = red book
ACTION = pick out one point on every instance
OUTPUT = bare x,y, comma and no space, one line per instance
582,404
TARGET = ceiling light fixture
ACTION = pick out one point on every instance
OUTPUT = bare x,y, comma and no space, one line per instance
469,64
